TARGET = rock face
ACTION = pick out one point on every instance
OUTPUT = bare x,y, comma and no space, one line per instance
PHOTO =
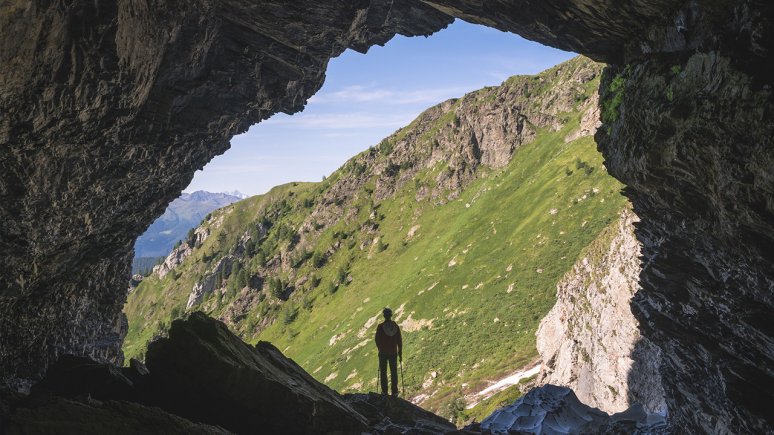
393,415
590,340
109,108
691,135
93,417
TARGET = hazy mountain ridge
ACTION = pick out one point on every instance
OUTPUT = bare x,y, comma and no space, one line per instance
181,215
432,221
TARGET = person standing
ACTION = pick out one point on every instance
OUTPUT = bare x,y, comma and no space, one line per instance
390,346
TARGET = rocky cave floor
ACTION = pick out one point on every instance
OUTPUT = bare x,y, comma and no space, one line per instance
202,379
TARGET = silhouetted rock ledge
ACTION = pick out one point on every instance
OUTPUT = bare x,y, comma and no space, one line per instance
203,379
387,414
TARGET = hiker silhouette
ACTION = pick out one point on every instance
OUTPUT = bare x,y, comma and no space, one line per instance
390,346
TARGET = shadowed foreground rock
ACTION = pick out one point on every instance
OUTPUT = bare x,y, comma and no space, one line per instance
557,410
203,379
206,373
387,414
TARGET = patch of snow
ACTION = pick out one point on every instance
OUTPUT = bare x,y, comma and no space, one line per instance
502,384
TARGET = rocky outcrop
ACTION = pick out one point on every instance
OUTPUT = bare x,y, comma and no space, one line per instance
205,373
181,215
556,410
203,379
172,260
110,107
209,281
590,340
95,417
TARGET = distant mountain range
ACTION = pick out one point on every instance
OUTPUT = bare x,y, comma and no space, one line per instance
181,215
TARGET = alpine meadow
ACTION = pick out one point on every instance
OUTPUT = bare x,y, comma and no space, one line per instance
463,222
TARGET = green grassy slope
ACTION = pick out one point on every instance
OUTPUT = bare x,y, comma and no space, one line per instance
471,327
469,278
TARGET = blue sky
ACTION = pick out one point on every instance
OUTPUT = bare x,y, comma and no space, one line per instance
365,98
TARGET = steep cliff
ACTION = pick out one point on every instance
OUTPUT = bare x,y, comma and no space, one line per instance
701,182
590,340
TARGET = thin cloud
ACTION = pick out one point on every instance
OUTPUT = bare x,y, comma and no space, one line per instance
371,94
343,121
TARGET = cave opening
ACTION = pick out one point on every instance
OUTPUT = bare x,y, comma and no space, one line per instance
369,99
112,108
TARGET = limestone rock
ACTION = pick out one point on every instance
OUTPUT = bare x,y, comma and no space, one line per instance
590,340
174,258
701,183
209,282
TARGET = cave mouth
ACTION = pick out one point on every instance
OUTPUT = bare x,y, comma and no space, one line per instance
365,101
92,91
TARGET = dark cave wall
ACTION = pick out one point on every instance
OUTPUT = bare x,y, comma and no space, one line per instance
108,109
692,139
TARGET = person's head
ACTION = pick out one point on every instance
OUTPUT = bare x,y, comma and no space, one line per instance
387,313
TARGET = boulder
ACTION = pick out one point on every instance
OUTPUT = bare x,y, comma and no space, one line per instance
556,410
205,373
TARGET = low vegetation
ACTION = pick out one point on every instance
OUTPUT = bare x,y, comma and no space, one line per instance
469,272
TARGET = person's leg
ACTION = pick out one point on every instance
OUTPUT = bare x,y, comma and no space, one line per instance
394,374
383,372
